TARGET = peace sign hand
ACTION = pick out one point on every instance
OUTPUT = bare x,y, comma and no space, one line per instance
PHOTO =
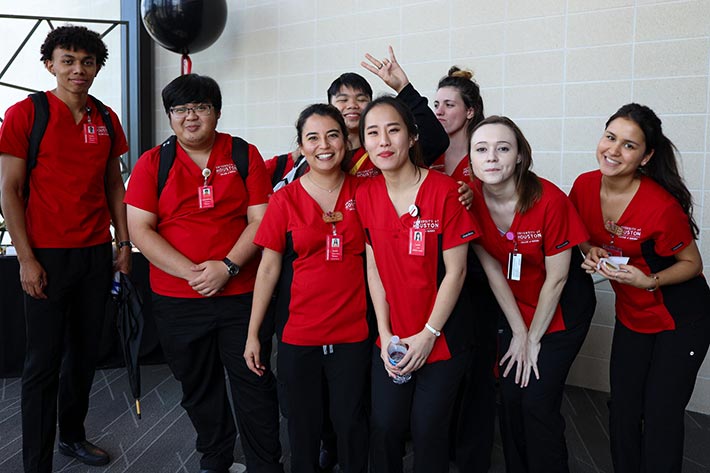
388,70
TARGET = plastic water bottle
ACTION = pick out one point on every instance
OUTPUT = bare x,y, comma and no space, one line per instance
395,352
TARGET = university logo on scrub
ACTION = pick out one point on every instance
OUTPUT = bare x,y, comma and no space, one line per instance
226,169
368,173
428,224
350,205
529,236
630,233
102,130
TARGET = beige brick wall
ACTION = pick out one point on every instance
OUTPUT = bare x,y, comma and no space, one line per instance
558,67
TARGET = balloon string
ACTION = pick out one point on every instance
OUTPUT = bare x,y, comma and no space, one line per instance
186,65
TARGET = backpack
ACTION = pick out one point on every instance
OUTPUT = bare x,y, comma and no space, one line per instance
39,126
240,156
278,180
281,161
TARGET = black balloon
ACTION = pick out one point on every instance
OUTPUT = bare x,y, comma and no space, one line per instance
184,26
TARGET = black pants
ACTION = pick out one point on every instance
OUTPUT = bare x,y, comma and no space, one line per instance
423,405
304,371
63,334
473,422
201,338
532,427
652,378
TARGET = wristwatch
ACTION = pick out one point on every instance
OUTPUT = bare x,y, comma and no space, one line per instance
232,269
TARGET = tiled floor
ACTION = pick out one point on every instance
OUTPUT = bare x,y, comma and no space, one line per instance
163,440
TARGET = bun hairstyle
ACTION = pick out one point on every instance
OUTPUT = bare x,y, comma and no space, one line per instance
462,80
463,73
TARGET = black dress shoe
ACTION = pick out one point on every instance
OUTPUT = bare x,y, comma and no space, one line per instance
84,451
327,460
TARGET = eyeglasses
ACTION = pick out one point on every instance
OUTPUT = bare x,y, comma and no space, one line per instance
202,110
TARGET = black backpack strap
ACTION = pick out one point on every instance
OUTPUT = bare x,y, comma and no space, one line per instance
278,174
240,156
39,126
167,158
106,115
301,166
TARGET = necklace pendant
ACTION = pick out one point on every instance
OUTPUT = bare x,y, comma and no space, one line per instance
332,217
611,227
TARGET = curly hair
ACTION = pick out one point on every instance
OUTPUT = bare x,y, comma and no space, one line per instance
74,38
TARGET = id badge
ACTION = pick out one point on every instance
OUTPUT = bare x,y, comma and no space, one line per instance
334,248
416,241
204,195
91,136
612,250
515,263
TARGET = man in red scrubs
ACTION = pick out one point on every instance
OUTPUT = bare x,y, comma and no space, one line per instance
61,232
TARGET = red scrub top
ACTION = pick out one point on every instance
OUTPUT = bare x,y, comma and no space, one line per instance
654,228
550,227
67,206
319,302
411,282
462,172
200,234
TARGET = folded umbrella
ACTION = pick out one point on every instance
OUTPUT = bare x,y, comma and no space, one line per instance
129,322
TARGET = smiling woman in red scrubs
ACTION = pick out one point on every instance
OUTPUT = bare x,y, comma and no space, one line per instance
417,235
314,257
637,206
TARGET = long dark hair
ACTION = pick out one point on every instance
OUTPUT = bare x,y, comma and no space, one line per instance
663,165
470,92
527,184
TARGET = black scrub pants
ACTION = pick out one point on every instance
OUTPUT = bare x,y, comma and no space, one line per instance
343,368
422,405
532,427
63,335
473,422
201,338
652,378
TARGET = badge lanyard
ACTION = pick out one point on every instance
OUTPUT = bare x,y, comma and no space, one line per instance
417,235
91,137
334,240
515,259
614,231
204,192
